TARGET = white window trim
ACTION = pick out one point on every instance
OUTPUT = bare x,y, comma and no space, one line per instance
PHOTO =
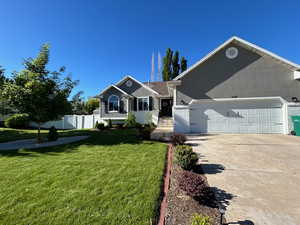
137,103
118,103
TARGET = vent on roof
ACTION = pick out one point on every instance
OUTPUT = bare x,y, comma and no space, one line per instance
231,52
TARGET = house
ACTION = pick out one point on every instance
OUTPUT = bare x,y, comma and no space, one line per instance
237,88
147,101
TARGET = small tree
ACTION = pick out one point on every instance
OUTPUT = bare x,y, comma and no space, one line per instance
91,105
42,94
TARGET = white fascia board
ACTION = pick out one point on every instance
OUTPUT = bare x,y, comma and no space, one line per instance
296,75
203,59
234,38
113,86
199,101
143,85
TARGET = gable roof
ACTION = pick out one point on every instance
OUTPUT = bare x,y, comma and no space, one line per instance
114,86
140,83
160,87
247,45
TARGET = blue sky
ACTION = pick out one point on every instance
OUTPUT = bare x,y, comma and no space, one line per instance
101,41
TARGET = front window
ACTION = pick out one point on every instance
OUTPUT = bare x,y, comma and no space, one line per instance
113,103
143,104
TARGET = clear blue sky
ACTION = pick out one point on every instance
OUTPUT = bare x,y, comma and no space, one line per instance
101,41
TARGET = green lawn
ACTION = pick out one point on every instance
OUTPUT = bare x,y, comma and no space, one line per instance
112,178
8,134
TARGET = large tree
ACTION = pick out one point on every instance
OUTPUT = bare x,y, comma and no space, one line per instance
183,64
175,65
78,105
171,66
2,76
167,65
40,93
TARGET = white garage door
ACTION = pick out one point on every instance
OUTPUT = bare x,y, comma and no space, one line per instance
251,116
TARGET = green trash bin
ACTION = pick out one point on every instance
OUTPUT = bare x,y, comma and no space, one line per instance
296,123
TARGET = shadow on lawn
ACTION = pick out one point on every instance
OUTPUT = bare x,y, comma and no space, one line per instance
97,138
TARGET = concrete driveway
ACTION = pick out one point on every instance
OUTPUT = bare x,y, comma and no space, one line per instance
261,181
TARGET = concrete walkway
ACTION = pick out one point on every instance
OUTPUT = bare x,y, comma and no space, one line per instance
31,143
256,177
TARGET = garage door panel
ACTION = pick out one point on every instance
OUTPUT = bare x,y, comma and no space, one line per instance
251,117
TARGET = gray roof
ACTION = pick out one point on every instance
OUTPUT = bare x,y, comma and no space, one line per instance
159,86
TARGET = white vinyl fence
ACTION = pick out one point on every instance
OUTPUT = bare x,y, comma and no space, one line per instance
89,121
72,122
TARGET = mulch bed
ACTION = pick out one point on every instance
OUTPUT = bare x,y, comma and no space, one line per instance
181,207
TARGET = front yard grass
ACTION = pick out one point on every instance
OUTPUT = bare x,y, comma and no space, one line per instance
111,178
8,134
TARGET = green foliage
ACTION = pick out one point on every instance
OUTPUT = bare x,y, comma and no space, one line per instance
145,132
109,123
78,105
2,77
171,66
175,65
52,134
130,122
198,219
167,65
96,124
183,64
40,93
100,126
17,121
91,105
185,157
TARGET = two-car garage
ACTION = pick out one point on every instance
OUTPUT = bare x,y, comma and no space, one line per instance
243,115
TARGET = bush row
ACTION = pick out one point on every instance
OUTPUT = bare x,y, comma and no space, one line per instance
17,121
193,184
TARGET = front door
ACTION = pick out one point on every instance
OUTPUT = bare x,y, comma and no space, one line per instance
166,107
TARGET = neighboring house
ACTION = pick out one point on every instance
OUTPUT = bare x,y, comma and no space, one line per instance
237,88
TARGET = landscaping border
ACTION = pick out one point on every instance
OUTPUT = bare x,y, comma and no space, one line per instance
166,185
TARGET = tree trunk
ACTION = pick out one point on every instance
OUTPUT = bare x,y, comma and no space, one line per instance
39,139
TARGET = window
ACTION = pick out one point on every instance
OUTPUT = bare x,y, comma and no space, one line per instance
113,103
143,104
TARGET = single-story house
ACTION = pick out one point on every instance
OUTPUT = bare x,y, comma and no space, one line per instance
237,88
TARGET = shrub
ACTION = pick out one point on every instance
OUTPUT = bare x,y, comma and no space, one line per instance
198,219
138,126
52,134
193,184
130,122
96,124
109,124
100,126
145,132
17,121
178,139
185,157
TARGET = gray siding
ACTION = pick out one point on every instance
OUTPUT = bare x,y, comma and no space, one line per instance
248,75
123,103
138,90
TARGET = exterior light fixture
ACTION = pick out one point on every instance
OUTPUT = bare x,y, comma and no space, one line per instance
295,99
222,212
